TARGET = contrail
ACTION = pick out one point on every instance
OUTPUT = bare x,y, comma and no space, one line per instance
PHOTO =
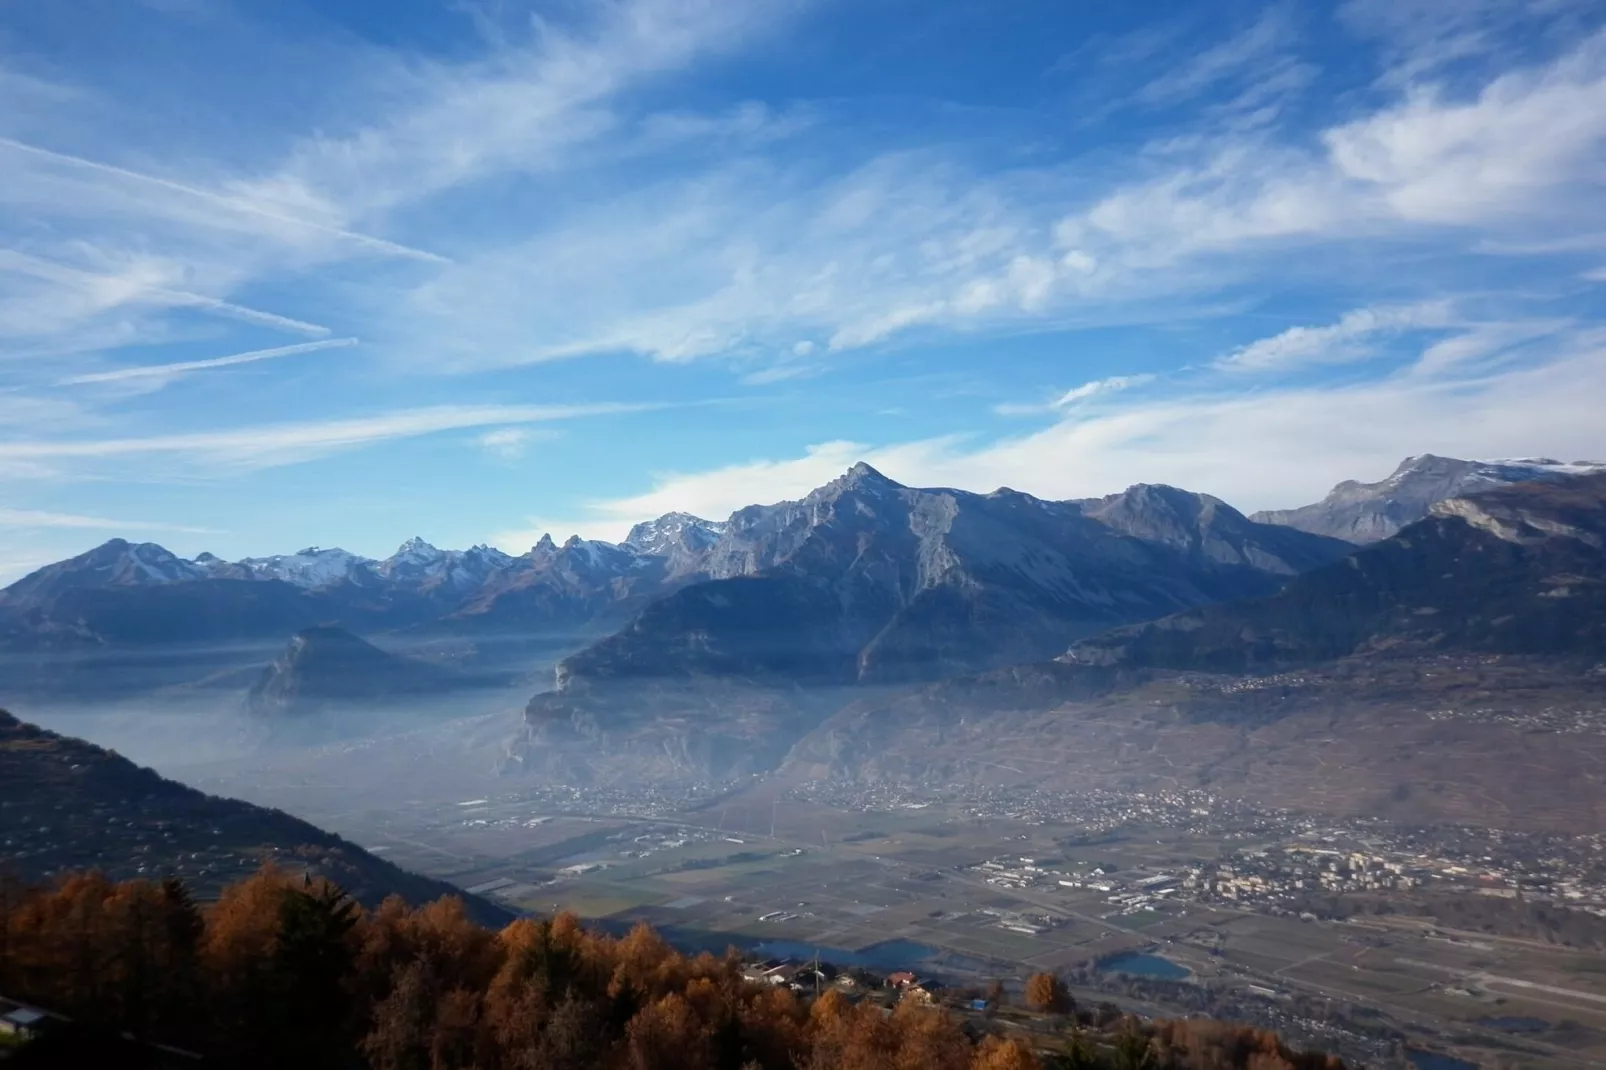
66,275
179,368
180,298
229,202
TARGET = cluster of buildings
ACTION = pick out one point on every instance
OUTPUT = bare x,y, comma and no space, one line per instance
816,976
1286,854
635,799
1268,874
1564,720
1095,811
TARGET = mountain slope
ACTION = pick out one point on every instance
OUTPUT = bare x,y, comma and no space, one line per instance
1517,570
1454,672
869,581
327,667
901,584
1366,512
66,804
868,584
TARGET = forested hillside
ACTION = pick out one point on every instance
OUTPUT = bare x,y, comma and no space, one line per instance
286,972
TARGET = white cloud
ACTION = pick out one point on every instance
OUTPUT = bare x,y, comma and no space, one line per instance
780,373
165,373
246,208
266,446
1268,449
1351,338
31,518
1247,50
1522,152
519,109
1419,38
1077,394
1435,160
507,443
1101,386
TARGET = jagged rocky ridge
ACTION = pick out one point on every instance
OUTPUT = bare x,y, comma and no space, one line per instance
1516,570
1448,673
866,583
946,581
1367,512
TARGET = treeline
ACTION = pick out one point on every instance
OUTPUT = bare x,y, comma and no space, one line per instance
283,972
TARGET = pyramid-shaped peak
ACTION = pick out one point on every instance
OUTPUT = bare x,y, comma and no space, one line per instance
546,543
863,475
416,545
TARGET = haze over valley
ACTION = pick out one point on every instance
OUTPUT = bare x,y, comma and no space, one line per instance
798,535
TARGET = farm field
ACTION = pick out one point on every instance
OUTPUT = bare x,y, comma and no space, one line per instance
901,889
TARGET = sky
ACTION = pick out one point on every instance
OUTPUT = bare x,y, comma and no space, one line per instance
276,273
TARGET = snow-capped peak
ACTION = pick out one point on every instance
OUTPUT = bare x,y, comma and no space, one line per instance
416,547
311,567
673,531
420,562
146,562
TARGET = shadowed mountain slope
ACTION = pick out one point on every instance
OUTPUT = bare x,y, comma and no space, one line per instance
1517,570
67,804
1367,512
868,584
328,666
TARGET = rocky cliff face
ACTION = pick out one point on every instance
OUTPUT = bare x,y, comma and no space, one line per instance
866,584
867,581
1517,570
1367,512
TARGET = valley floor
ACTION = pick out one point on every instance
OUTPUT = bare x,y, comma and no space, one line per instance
972,884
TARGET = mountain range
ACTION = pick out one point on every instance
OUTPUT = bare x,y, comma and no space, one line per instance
1197,548
1454,671
802,634
1367,512
873,581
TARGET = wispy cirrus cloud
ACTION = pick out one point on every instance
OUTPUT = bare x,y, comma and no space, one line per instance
597,183
756,256
517,110
33,518
1205,440
1349,339
510,443
165,373
243,208
1244,54
249,449
1095,388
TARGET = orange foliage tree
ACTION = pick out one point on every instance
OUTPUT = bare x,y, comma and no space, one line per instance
287,971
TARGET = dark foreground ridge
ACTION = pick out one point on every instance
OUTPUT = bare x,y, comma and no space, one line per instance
69,805
284,972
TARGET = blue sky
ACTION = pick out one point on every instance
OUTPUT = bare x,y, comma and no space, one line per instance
342,271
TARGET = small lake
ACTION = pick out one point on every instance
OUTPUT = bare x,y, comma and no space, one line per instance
1432,1060
1145,965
